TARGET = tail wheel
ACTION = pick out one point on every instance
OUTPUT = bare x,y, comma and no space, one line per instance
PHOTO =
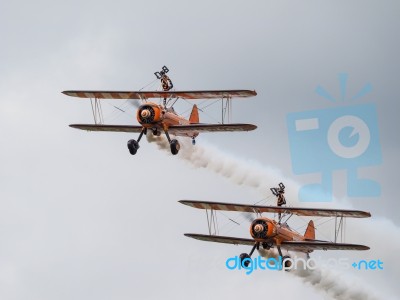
133,146
267,245
175,146
156,132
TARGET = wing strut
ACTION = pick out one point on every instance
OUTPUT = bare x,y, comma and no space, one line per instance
226,109
340,228
97,111
212,222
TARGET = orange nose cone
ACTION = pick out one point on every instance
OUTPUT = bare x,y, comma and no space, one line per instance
145,113
258,228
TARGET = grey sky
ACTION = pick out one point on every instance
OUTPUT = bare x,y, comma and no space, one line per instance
82,219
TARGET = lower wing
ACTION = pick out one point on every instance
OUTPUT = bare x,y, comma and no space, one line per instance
302,246
172,129
212,127
221,239
114,128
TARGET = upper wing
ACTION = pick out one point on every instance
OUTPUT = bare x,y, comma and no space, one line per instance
172,129
315,212
302,246
161,94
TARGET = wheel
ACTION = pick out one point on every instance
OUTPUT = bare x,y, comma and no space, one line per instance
133,146
287,264
175,146
242,257
193,141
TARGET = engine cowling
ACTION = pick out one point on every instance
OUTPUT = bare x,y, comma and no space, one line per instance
262,229
148,114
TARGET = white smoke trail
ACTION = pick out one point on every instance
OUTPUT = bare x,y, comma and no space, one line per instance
244,173
333,283
253,175
322,278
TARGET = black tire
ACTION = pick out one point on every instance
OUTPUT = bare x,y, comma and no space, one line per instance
286,264
133,146
242,257
175,146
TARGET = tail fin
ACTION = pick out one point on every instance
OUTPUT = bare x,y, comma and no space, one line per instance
310,231
194,115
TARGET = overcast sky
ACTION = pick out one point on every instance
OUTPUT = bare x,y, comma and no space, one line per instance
80,218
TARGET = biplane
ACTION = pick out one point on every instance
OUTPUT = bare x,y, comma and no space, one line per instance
162,117
270,233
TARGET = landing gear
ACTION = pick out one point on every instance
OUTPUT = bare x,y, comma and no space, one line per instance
133,145
174,144
156,132
279,250
193,141
267,245
287,263
245,258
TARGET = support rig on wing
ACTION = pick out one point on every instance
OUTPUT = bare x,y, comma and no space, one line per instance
257,230
147,114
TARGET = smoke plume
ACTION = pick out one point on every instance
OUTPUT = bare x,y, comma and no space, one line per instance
245,173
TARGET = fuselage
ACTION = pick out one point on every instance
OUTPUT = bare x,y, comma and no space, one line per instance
158,118
264,230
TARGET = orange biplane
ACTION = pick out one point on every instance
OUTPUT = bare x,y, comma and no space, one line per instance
269,233
159,118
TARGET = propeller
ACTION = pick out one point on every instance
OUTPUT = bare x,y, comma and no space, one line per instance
249,216
134,103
